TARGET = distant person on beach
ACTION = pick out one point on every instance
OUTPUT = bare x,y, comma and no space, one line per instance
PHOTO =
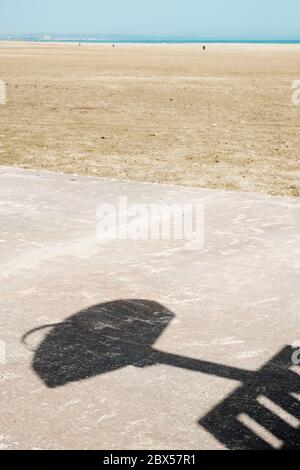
204,47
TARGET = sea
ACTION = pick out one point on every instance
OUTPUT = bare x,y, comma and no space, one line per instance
95,38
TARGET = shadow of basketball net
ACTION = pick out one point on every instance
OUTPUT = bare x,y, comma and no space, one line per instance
263,413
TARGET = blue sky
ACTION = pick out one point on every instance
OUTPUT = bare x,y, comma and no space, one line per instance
206,19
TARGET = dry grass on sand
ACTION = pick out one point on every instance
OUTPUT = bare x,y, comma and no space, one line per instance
222,118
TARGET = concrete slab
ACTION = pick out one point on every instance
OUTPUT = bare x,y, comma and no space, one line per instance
145,345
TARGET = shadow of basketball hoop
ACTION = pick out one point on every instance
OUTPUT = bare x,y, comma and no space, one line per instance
263,413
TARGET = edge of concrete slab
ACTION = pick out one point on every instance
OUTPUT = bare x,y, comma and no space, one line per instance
39,172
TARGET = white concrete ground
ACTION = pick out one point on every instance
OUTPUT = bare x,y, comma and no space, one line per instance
150,346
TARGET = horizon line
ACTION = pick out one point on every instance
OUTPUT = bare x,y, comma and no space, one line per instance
99,36
141,39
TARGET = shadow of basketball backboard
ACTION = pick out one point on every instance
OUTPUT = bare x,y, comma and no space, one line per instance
263,412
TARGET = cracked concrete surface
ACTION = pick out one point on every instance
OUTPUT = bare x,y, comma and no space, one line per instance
234,304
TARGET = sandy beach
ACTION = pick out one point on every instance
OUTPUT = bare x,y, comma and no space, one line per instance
221,118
